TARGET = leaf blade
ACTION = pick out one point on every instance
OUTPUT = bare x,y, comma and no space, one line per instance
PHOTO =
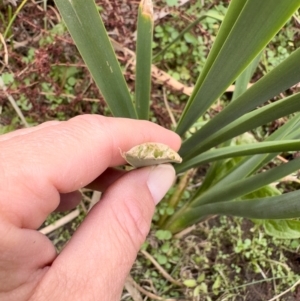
144,58
240,151
242,45
89,34
280,78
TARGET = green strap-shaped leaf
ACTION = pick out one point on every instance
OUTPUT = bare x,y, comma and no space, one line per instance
279,79
244,186
254,27
252,120
243,80
240,151
144,59
87,30
235,184
241,84
278,207
290,130
232,14
221,200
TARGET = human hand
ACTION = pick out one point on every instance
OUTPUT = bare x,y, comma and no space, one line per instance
41,170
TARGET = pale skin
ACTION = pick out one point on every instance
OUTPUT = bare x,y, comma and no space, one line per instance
41,170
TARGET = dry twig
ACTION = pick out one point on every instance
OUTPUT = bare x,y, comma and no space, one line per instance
59,223
160,269
13,103
145,292
286,291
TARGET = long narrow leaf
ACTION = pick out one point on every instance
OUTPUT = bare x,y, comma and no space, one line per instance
87,30
279,79
249,165
235,8
240,151
242,187
249,35
144,59
241,85
243,80
278,207
252,120
221,199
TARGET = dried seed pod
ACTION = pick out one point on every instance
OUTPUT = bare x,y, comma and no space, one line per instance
150,153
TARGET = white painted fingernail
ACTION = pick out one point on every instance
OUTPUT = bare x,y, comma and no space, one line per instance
160,179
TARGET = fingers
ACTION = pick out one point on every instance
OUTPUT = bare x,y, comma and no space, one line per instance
69,201
25,257
22,132
106,179
65,157
106,244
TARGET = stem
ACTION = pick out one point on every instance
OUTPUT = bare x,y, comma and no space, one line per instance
176,197
13,19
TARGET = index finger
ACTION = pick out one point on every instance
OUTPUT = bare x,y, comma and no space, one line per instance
68,156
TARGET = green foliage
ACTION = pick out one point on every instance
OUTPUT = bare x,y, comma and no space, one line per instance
4,129
163,234
172,2
143,59
246,30
223,258
57,30
283,229
176,43
29,58
247,253
91,38
8,78
11,18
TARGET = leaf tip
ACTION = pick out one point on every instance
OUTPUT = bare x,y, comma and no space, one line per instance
147,7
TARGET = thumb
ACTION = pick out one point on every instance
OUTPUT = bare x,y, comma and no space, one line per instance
105,246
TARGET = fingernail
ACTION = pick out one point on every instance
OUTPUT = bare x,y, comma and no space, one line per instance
160,179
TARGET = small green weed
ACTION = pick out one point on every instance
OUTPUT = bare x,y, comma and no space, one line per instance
222,259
